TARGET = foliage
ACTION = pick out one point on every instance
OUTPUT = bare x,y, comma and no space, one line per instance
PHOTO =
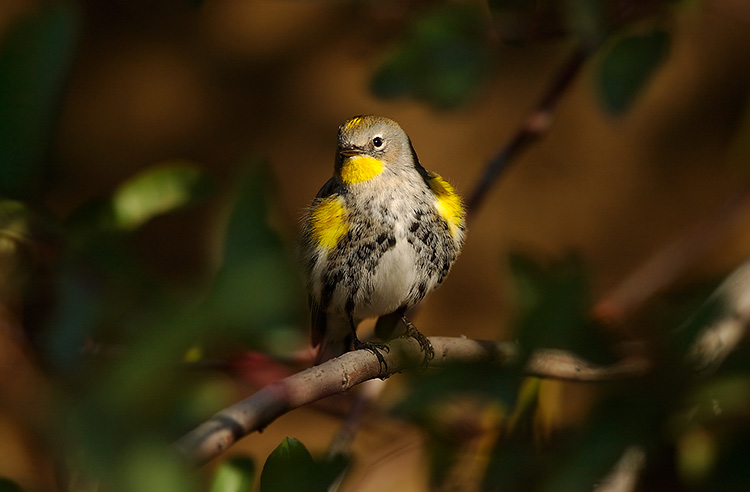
35,57
627,67
442,60
120,343
291,467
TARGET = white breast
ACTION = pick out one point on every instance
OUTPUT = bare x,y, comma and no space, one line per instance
392,281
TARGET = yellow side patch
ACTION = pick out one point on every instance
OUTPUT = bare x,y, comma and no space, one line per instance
448,203
328,222
360,168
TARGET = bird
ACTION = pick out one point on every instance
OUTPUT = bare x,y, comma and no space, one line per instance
381,234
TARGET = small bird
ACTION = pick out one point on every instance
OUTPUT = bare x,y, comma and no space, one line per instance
381,234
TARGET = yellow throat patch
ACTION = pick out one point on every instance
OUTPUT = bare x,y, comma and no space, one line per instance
448,203
359,168
328,222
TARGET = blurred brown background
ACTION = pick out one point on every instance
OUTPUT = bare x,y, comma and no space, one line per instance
156,81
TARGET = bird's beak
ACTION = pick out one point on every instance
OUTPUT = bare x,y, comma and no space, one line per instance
349,152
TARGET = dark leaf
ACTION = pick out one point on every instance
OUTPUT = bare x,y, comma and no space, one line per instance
257,292
35,56
443,59
155,191
628,66
553,304
7,485
291,467
488,381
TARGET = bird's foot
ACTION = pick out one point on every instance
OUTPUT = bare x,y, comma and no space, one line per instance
375,348
424,343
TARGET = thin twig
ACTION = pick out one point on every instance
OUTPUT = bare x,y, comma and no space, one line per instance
536,124
671,262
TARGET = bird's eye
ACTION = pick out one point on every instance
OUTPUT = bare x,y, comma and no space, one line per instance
377,142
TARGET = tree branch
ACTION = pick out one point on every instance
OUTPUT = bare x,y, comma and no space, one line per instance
338,375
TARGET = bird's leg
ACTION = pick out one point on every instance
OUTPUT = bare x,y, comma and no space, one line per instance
424,343
373,347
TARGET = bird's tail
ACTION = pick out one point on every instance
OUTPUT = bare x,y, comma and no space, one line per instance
333,347
336,339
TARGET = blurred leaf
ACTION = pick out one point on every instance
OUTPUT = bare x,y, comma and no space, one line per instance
697,453
35,56
437,400
717,399
79,304
515,463
443,59
257,292
587,19
29,243
553,305
235,474
628,66
20,222
7,485
102,283
155,191
151,467
618,425
291,467
104,290
731,473
482,380
578,459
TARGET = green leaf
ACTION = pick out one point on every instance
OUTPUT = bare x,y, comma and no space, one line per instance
442,60
257,292
234,475
287,467
156,191
150,467
628,66
553,302
291,467
35,57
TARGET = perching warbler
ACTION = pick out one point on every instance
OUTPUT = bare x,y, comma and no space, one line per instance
381,234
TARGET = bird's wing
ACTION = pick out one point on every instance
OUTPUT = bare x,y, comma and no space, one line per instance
331,187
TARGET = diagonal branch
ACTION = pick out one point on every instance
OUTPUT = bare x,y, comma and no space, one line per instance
338,375
536,124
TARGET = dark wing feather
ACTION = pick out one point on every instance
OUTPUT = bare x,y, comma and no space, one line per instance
317,315
318,327
332,187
